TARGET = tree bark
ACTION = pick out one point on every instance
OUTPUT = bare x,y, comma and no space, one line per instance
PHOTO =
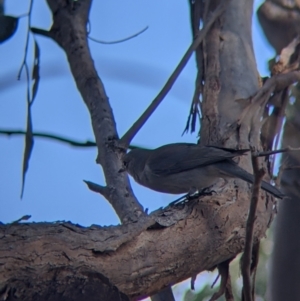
182,242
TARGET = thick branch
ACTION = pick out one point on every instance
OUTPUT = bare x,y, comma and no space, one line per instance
69,31
139,258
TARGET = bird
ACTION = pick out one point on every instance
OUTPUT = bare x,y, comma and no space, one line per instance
186,168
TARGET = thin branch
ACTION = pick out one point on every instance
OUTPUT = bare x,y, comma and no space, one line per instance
51,136
278,151
41,32
246,258
58,138
223,269
128,136
215,281
27,40
121,40
103,190
193,279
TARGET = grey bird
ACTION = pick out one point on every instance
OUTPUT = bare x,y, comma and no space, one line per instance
186,168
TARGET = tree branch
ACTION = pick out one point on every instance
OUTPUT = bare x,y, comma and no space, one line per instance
135,257
69,31
103,190
277,151
50,136
223,269
58,138
246,258
121,40
129,135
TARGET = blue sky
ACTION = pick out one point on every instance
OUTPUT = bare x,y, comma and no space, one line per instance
133,72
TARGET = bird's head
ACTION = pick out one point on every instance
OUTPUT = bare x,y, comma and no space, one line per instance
134,162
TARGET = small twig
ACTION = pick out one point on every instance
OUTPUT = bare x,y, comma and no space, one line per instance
278,151
215,281
128,136
57,138
103,190
225,279
50,136
41,32
193,279
27,40
246,258
121,40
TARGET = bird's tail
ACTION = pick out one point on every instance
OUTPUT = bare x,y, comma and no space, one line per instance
238,172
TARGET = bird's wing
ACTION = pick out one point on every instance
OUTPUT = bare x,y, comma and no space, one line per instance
178,157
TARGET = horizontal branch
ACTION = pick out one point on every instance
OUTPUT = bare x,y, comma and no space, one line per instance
138,258
50,136
55,137
277,151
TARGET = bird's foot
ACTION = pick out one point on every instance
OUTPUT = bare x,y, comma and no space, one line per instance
192,195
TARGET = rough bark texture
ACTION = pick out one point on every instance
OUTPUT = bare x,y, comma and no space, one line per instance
69,31
206,233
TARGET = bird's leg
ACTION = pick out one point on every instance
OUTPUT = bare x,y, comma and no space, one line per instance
193,194
186,197
182,199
